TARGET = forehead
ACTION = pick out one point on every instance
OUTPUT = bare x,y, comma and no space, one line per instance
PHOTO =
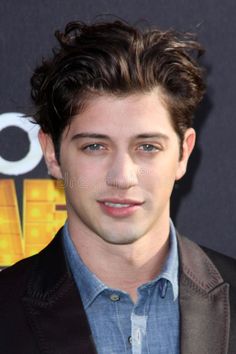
136,113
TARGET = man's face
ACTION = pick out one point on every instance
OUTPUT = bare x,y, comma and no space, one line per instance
119,159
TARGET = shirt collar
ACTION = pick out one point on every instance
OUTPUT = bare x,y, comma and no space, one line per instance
90,286
170,269
87,282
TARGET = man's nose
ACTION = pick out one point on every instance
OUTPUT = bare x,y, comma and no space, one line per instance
123,172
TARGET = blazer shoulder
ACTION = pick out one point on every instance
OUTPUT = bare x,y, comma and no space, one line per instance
13,279
39,272
205,266
20,269
225,264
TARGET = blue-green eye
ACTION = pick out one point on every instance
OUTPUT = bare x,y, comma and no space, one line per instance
149,148
93,147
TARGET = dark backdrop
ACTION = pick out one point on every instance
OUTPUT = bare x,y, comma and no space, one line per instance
203,205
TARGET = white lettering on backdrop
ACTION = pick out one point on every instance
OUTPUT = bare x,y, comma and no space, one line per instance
34,155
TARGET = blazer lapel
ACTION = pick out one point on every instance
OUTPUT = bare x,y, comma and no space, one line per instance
204,303
54,307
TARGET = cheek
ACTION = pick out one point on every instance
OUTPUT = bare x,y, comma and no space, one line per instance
163,172
83,178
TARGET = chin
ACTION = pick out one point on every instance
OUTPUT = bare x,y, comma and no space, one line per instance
121,240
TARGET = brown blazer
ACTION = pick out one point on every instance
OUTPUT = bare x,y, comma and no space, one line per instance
41,311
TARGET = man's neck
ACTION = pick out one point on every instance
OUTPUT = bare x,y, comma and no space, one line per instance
123,267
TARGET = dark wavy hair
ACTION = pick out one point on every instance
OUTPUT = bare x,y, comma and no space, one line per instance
116,58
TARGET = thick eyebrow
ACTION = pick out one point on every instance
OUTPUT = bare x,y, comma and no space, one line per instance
152,135
106,137
90,135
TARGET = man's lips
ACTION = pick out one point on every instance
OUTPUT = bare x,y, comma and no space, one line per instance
119,207
120,202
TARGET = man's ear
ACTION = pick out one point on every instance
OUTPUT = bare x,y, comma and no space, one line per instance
187,148
49,154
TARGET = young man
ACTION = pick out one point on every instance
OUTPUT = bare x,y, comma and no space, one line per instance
115,107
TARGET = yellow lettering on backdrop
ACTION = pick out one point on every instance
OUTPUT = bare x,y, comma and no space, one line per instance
11,247
43,214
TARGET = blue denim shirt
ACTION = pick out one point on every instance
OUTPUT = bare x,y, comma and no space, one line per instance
119,326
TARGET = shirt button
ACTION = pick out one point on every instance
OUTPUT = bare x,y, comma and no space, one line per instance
130,340
114,297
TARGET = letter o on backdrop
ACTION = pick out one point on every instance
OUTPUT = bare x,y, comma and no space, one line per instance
33,157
